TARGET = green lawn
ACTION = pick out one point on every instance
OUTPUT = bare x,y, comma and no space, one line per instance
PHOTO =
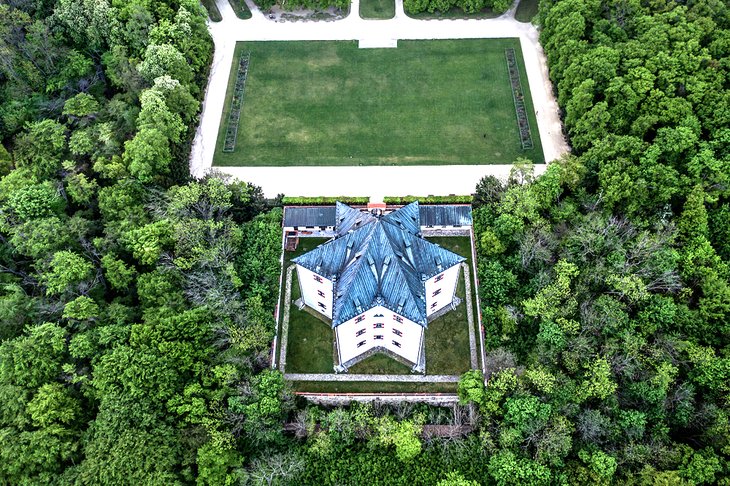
377,9
310,342
526,10
310,345
371,387
330,103
380,364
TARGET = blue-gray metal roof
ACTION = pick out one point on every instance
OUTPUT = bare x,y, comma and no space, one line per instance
446,215
382,261
309,216
349,219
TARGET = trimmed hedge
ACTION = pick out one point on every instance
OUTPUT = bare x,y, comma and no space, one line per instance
451,199
322,201
241,9
212,9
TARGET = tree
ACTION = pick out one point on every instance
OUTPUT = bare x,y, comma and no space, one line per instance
40,148
148,155
165,59
403,435
67,271
456,479
507,468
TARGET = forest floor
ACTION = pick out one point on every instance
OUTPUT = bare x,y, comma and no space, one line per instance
371,181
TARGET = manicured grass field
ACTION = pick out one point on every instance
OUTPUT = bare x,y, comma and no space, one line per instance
310,342
377,9
423,103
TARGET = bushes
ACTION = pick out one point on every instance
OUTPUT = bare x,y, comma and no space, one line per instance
240,8
323,201
304,4
212,9
468,6
450,199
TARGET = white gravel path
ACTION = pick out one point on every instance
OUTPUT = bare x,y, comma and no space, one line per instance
373,181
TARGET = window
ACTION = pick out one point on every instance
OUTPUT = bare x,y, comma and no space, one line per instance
439,278
395,343
378,315
320,293
397,318
434,294
318,278
361,344
322,306
378,325
359,318
397,332
379,337
433,306
360,332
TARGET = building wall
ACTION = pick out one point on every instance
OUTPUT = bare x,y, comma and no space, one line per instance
411,334
316,291
440,289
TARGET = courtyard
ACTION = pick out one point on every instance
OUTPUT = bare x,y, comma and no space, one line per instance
309,352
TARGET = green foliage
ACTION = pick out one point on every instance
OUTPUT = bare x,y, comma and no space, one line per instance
453,199
403,435
67,271
34,359
507,468
40,148
82,308
323,201
149,241
36,201
456,479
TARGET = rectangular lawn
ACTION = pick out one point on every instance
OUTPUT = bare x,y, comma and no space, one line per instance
422,103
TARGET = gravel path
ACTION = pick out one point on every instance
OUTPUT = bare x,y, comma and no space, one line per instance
470,317
379,378
368,181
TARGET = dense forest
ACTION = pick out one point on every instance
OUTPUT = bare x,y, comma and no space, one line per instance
136,304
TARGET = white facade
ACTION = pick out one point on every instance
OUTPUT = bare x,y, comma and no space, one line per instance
316,291
440,289
379,327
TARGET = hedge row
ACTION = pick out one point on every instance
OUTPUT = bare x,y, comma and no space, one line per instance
451,199
322,201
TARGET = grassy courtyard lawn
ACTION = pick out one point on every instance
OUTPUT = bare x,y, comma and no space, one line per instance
371,387
310,342
310,346
423,103
447,338
380,364
377,9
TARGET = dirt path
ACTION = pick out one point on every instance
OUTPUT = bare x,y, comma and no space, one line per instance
370,181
